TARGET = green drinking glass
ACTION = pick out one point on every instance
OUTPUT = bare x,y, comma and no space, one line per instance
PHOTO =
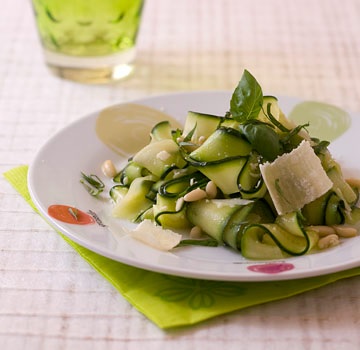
90,41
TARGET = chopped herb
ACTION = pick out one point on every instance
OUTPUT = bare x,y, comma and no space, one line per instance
190,134
296,130
274,120
93,180
93,184
210,242
176,134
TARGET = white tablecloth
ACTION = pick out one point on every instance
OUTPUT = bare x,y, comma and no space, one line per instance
49,297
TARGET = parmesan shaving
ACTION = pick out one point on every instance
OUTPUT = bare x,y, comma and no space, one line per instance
295,179
155,236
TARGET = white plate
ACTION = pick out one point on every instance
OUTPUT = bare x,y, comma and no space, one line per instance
54,179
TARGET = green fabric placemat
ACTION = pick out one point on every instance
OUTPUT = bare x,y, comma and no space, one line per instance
176,301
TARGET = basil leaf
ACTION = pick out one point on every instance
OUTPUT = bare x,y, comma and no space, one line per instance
263,139
247,99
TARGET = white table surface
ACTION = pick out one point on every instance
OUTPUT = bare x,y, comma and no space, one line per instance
49,297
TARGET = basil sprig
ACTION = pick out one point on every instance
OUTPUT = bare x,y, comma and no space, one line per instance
247,99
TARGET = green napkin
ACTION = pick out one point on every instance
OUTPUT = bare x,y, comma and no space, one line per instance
176,301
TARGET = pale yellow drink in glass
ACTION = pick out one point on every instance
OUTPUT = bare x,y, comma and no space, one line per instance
90,41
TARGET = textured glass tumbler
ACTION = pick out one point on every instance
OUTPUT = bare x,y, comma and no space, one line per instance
90,41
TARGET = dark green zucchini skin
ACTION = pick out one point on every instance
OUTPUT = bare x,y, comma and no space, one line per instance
329,209
225,221
254,229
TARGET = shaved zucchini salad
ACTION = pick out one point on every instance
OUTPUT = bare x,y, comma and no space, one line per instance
250,180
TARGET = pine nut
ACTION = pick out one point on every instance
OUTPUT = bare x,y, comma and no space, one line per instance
108,168
328,241
179,203
195,195
345,231
195,232
323,230
211,189
201,140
